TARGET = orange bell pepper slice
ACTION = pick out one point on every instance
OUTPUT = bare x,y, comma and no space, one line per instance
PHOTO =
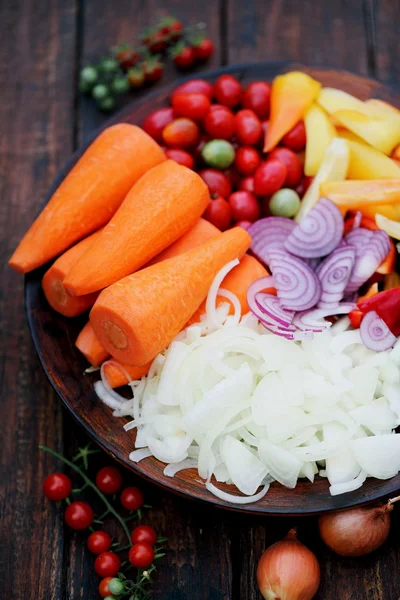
388,264
291,95
354,194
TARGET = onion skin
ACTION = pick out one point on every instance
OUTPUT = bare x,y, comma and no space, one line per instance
356,532
288,570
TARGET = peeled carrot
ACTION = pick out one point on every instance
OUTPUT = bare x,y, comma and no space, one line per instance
200,233
116,372
53,281
163,205
237,281
89,195
90,346
137,317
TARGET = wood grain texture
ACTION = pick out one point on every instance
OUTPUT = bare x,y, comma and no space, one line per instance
385,22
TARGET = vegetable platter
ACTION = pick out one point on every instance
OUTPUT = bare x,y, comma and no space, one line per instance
54,335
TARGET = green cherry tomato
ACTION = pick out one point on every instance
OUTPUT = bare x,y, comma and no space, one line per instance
120,85
219,154
106,104
100,91
88,75
109,65
116,586
110,598
284,203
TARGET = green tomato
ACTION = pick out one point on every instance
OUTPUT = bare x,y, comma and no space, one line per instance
284,203
109,65
120,85
88,75
100,91
106,104
116,586
84,87
110,598
219,154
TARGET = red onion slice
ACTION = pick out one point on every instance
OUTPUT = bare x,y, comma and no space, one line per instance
371,248
318,233
310,320
267,233
297,285
375,334
255,288
334,273
271,306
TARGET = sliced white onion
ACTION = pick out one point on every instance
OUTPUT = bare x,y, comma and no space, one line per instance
378,456
236,499
349,486
173,468
213,293
140,454
245,469
281,464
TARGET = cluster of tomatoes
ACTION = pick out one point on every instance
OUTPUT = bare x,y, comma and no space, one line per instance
219,131
79,515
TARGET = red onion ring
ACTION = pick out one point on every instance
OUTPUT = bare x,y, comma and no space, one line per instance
375,334
310,320
334,273
372,247
270,305
267,233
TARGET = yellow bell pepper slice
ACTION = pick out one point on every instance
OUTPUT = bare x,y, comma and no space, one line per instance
382,134
391,211
320,133
392,228
380,107
354,194
332,100
291,95
368,163
333,168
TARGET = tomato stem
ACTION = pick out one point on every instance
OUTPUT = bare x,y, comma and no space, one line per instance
89,483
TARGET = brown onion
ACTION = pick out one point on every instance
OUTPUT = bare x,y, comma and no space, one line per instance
357,531
288,570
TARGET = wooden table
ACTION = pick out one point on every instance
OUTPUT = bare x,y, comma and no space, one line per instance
212,555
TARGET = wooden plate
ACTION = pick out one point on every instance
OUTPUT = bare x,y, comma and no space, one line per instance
54,337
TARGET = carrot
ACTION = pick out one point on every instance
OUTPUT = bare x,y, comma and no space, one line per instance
237,281
200,233
53,281
90,346
164,204
89,195
137,317
116,372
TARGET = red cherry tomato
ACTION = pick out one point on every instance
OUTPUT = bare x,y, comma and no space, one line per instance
184,58
98,542
195,86
293,165
233,176
203,50
157,42
180,156
269,177
219,123
247,184
248,127
256,97
104,590
193,106
57,486
175,29
144,533
244,206
79,515
247,160
109,480
107,564
132,498
156,121
219,213
227,90
296,139
152,69
141,555
244,224
218,183
199,147
181,133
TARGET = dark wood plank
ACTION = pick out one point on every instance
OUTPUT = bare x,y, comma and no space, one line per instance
37,45
384,18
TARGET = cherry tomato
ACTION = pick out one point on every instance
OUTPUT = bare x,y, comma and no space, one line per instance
233,176
248,127
181,133
218,212
109,480
107,564
79,515
141,555
156,121
295,139
292,163
136,77
244,224
269,177
158,42
175,29
244,206
247,160
104,590
57,486
153,70
303,186
195,86
197,150
132,498
98,542
144,533
264,127
227,90
194,106
218,183
247,184
219,123
184,57
256,97
180,156
203,50
126,57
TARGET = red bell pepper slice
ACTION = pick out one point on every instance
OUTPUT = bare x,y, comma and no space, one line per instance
387,306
